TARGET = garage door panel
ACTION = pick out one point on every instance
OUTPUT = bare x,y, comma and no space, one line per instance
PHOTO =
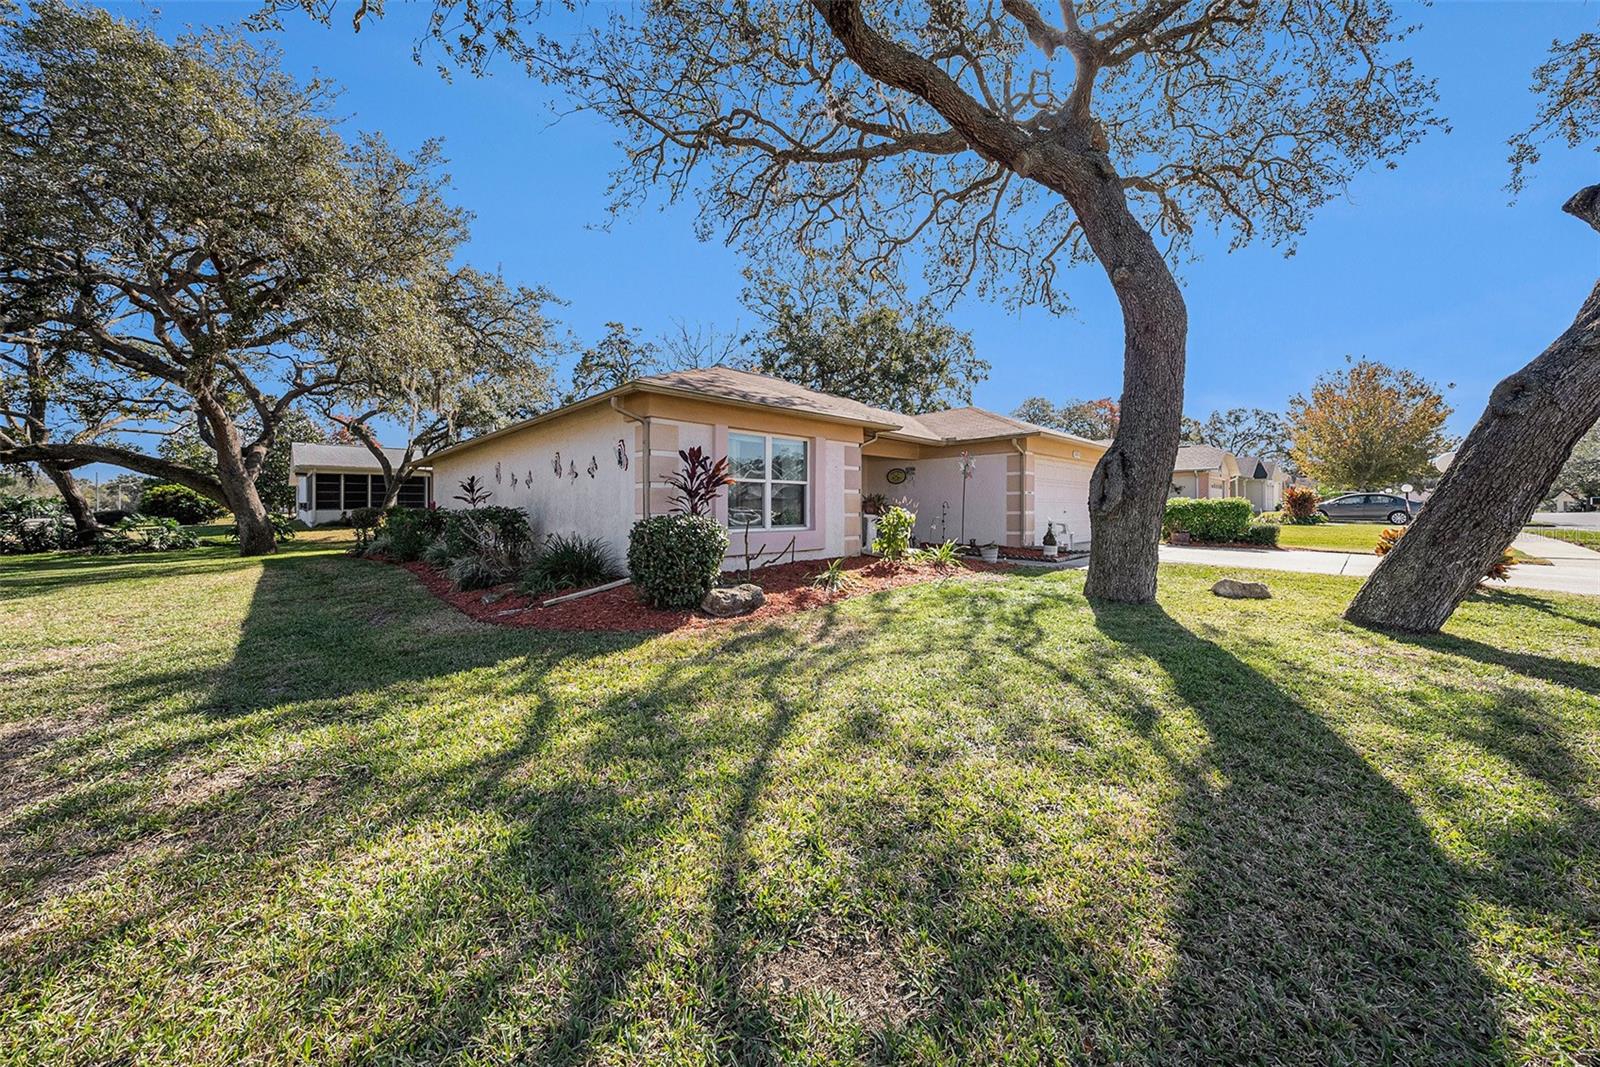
1061,496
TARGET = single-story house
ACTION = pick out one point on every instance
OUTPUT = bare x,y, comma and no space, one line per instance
801,460
333,480
1205,471
1262,481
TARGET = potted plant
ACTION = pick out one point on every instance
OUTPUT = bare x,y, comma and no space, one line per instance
1049,543
989,553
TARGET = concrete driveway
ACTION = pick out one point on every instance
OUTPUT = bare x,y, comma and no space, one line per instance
1573,569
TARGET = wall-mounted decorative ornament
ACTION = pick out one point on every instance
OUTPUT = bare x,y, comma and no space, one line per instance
573,473
622,454
513,479
528,479
556,464
497,473
895,475
594,465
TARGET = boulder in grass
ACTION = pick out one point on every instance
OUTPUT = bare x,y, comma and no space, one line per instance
1234,589
733,600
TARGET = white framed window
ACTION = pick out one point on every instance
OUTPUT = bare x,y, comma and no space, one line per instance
771,487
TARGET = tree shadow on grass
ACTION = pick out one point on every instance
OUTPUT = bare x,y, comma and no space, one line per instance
1320,923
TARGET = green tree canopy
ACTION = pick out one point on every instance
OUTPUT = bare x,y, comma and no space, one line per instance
221,243
836,336
1367,426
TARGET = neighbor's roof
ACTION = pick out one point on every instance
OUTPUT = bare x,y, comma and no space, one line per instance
1256,467
1201,458
342,457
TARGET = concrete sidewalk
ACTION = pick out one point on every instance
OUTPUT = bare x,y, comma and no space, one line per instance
1573,569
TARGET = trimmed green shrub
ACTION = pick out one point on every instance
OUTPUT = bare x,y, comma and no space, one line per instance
511,524
675,559
171,501
409,531
1262,533
1221,520
894,533
567,562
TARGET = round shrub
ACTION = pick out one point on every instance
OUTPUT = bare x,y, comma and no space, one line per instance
1262,533
1219,521
171,501
675,559
411,530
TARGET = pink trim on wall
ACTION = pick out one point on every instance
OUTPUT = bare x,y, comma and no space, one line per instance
814,537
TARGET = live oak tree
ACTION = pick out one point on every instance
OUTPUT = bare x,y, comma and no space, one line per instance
1367,426
1580,475
215,236
828,333
50,396
1094,419
461,353
992,144
1242,431
618,357
1535,416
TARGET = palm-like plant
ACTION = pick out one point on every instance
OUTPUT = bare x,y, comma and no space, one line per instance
699,482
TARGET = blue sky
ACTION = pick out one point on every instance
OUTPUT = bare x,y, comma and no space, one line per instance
1425,267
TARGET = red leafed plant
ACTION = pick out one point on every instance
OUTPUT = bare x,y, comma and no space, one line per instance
1299,502
699,482
1499,570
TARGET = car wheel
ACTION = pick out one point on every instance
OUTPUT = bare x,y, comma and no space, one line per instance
1398,518
1325,515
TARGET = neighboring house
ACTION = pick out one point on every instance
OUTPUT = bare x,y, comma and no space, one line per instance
801,460
333,480
1262,481
1205,471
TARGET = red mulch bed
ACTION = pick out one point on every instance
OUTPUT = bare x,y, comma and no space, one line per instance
788,588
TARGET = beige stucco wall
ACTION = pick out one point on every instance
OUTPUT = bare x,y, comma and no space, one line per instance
935,492
519,470
833,526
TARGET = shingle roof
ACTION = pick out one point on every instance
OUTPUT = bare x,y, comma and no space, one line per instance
726,383
977,424
1199,458
348,457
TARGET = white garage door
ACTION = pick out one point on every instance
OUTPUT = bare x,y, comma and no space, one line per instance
1061,496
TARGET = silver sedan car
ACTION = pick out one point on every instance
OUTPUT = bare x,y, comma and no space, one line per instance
1367,507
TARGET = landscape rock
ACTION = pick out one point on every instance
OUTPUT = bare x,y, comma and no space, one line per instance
1234,589
733,600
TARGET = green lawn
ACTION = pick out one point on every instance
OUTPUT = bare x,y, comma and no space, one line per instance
1586,538
1351,537
296,811
1333,536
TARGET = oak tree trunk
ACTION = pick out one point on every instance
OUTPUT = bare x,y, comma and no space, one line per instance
1130,485
256,537
1500,473
77,506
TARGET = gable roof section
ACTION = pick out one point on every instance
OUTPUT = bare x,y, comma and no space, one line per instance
951,427
956,425
763,390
